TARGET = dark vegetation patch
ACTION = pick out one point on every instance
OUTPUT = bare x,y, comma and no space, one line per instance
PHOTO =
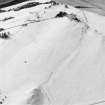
1,11
3,98
5,35
70,16
61,14
2,29
7,18
74,17
82,7
52,2
66,6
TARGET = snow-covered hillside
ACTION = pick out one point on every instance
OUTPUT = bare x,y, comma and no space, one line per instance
54,49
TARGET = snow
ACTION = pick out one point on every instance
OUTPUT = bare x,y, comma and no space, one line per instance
63,56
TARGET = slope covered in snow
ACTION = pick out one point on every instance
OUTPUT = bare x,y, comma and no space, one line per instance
53,48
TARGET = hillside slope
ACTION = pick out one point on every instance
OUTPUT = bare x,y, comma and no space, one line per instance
54,49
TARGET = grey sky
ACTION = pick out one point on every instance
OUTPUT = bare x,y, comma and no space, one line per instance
97,6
